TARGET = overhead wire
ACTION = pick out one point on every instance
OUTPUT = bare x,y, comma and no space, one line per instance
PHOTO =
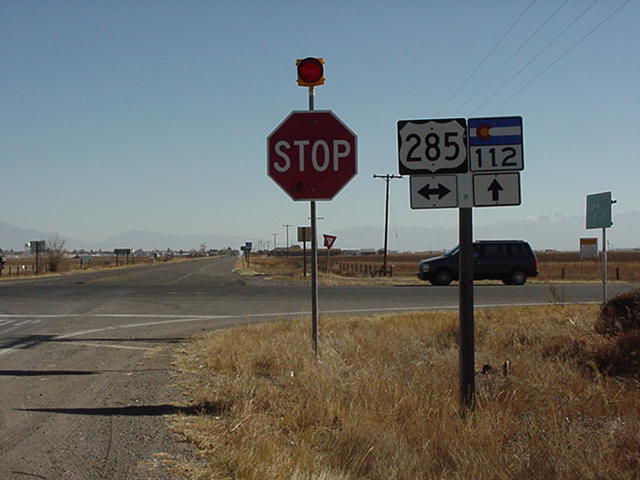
497,44
536,56
513,55
341,208
566,52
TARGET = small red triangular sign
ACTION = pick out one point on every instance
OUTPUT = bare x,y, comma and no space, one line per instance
329,240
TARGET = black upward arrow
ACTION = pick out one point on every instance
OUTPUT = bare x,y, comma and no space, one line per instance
441,191
495,188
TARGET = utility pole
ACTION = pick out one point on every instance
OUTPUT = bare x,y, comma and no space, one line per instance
387,178
287,227
275,235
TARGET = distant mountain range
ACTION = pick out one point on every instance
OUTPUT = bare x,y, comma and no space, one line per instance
555,232
14,238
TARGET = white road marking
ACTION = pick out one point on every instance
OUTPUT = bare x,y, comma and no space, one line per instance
107,345
8,329
213,264
202,269
179,279
173,319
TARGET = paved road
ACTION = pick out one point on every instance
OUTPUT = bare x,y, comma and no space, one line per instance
85,359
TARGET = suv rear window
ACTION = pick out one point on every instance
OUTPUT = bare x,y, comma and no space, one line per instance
518,250
495,250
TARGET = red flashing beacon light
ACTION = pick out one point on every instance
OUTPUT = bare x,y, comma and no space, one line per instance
310,71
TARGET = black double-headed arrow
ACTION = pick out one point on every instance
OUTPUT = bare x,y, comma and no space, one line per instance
441,191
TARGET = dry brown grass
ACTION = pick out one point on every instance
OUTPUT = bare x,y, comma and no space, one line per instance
381,404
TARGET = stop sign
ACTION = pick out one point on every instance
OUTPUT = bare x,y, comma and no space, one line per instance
312,155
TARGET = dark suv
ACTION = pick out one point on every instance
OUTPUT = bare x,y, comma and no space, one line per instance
511,261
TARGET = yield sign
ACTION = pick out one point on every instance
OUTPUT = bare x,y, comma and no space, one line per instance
329,240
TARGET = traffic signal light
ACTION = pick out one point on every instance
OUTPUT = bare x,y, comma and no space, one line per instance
310,71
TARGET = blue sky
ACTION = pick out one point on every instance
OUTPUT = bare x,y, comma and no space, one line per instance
153,115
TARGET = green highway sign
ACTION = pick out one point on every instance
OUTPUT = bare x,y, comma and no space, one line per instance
599,210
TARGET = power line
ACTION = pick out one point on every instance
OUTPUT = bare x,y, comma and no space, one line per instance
536,56
387,178
518,50
337,209
567,51
466,80
287,225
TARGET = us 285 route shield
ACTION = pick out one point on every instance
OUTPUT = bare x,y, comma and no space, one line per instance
432,146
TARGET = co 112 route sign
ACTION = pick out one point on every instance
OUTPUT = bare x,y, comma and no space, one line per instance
495,144
432,146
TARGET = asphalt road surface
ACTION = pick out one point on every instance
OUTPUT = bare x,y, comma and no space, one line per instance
85,360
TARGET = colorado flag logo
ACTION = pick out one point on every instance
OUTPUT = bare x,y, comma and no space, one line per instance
495,131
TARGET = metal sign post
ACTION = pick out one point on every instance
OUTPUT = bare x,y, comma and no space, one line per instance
466,333
599,216
312,155
604,264
37,247
304,236
314,257
329,240
455,163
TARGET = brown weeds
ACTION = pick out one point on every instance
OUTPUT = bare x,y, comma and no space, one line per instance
381,401
557,266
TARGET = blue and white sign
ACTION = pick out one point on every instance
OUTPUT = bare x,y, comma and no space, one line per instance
495,144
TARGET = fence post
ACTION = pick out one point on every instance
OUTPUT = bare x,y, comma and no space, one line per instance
617,273
562,276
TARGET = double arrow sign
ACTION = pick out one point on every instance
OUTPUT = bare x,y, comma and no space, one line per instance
427,191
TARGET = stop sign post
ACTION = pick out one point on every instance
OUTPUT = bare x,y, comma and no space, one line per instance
312,155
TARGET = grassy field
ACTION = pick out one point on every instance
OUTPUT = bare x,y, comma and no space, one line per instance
553,266
381,401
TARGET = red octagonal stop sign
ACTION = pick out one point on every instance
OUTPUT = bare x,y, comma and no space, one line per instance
312,155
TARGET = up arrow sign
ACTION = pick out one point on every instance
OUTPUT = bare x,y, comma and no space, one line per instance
495,188
441,191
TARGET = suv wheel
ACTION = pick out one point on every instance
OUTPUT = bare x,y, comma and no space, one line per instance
443,277
518,277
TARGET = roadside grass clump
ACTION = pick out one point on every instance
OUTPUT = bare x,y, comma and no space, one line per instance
380,402
620,314
619,322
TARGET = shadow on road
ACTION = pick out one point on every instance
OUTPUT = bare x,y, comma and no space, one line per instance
123,340
30,341
44,373
206,408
